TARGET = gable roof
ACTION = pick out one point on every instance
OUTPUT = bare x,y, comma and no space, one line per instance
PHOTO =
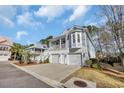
5,41
75,28
38,45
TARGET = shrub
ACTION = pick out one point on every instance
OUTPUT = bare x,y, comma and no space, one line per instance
93,63
46,61
94,60
96,66
88,62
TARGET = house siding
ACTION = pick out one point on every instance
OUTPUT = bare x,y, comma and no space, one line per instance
78,46
5,45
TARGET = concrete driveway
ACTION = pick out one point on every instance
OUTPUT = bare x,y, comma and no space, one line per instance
12,77
53,71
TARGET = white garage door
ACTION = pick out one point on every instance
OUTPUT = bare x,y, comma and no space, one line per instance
55,58
4,58
63,59
75,59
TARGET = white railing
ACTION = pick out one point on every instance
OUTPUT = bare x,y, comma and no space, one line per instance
57,47
35,52
63,46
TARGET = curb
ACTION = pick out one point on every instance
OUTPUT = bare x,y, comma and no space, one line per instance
50,82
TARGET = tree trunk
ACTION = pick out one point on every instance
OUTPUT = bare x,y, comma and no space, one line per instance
14,56
122,60
99,43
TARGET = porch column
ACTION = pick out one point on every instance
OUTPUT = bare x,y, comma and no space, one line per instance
66,41
49,44
60,43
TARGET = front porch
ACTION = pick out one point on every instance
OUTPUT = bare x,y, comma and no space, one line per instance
58,43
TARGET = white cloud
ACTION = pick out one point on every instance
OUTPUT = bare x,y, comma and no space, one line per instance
27,20
8,22
19,34
54,11
6,15
78,12
50,12
24,19
8,11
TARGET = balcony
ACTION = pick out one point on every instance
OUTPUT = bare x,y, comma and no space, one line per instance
63,46
55,47
35,52
58,47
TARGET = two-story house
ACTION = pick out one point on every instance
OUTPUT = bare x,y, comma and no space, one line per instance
72,47
5,45
36,51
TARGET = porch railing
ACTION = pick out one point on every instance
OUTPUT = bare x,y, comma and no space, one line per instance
57,47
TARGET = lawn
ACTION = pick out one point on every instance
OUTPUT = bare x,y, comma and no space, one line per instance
102,80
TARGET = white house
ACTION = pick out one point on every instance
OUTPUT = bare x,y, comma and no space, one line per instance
72,47
5,45
36,50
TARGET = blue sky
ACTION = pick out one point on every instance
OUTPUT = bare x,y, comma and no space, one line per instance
29,24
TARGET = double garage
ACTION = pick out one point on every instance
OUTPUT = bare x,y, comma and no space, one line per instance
69,59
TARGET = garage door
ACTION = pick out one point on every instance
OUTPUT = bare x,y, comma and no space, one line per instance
75,59
63,59
4,58
55,58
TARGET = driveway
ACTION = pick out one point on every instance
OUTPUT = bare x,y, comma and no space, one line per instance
56,72
12,77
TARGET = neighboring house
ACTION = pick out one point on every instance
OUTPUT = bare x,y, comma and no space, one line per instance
36,50
5,45
72,47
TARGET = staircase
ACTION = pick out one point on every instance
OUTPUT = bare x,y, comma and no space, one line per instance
42,57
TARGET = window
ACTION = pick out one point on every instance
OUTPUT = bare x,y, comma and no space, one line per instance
78,38
4,48
44,46
73,38
0,48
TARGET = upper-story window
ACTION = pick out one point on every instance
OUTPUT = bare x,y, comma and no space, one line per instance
4,48
73,38
0,48
78,38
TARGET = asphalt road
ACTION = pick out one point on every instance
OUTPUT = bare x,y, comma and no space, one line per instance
12,77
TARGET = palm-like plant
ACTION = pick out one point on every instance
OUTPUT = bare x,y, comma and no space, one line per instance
16,49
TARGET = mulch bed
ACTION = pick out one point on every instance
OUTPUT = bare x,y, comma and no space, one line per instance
25,64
